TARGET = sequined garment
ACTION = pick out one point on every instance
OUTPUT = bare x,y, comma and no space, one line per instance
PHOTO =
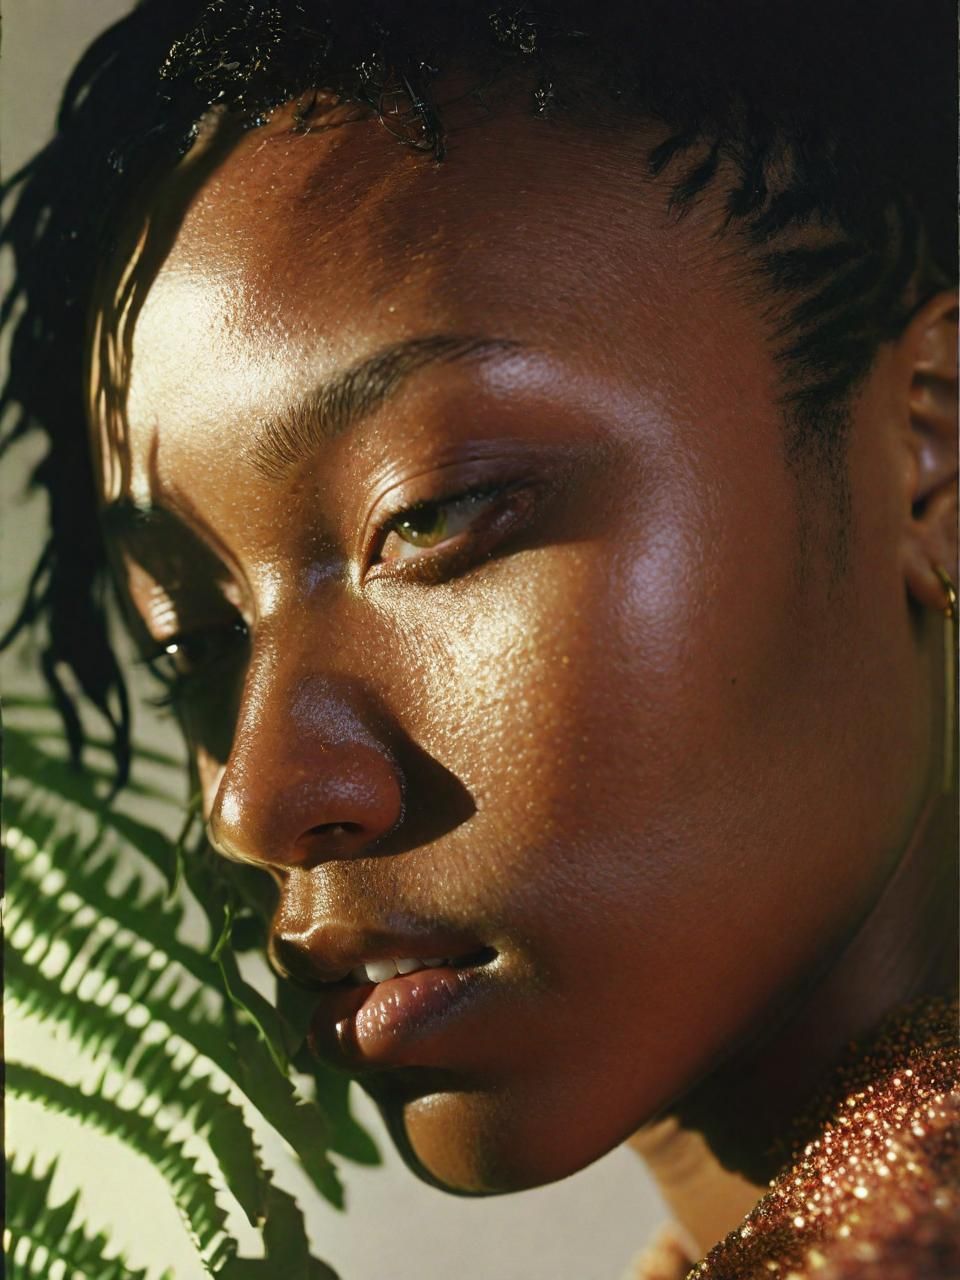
872,1189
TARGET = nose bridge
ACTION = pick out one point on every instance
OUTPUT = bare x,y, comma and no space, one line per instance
309,776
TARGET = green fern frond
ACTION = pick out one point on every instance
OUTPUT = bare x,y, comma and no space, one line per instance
192,1191
97,947
182,1088
303,1126
286,1249
40,1235
60,781
146,975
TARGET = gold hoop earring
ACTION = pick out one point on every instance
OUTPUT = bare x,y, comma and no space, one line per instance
950,638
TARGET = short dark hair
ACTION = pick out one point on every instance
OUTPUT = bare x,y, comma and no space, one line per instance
836,118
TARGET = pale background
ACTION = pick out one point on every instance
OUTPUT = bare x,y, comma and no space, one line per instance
585,1228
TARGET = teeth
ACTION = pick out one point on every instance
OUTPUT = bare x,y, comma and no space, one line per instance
380,970
383,970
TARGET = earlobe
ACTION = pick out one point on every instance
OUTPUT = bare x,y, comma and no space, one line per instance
929,347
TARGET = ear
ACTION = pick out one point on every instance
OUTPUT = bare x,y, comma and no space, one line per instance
928,346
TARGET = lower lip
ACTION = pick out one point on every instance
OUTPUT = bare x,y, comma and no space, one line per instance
389,1023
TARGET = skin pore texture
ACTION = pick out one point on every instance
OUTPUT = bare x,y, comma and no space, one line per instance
634,726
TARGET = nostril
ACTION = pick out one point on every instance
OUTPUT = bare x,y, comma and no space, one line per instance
336,829
326,840
296,809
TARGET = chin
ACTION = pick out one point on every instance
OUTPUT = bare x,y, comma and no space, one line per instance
483,1142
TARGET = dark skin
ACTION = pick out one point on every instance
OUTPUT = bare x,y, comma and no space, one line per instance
630,721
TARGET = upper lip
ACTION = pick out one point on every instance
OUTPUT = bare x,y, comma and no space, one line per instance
330,957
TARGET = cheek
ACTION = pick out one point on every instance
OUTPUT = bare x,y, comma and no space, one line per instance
566,686
646,726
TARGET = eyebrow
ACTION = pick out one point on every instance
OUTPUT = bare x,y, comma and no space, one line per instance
293,433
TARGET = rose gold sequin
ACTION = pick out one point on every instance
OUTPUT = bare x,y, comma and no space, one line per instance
871,1186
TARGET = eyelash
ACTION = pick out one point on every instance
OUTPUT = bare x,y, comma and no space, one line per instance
480,496
434,564
500,508
178,683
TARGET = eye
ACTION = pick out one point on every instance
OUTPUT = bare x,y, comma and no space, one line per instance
429,525
180,660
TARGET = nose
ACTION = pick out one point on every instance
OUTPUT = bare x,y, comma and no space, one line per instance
306,781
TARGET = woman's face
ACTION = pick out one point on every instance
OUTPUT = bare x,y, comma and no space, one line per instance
553,667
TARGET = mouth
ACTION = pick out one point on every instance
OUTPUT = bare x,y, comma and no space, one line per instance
393,1011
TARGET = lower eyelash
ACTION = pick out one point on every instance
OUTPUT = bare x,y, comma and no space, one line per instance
463,551
173,687
177,685
476,494
164,701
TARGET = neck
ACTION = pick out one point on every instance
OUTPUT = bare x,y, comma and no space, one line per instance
714,1153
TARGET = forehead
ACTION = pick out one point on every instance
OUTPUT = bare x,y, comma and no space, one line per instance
350,209
302,253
